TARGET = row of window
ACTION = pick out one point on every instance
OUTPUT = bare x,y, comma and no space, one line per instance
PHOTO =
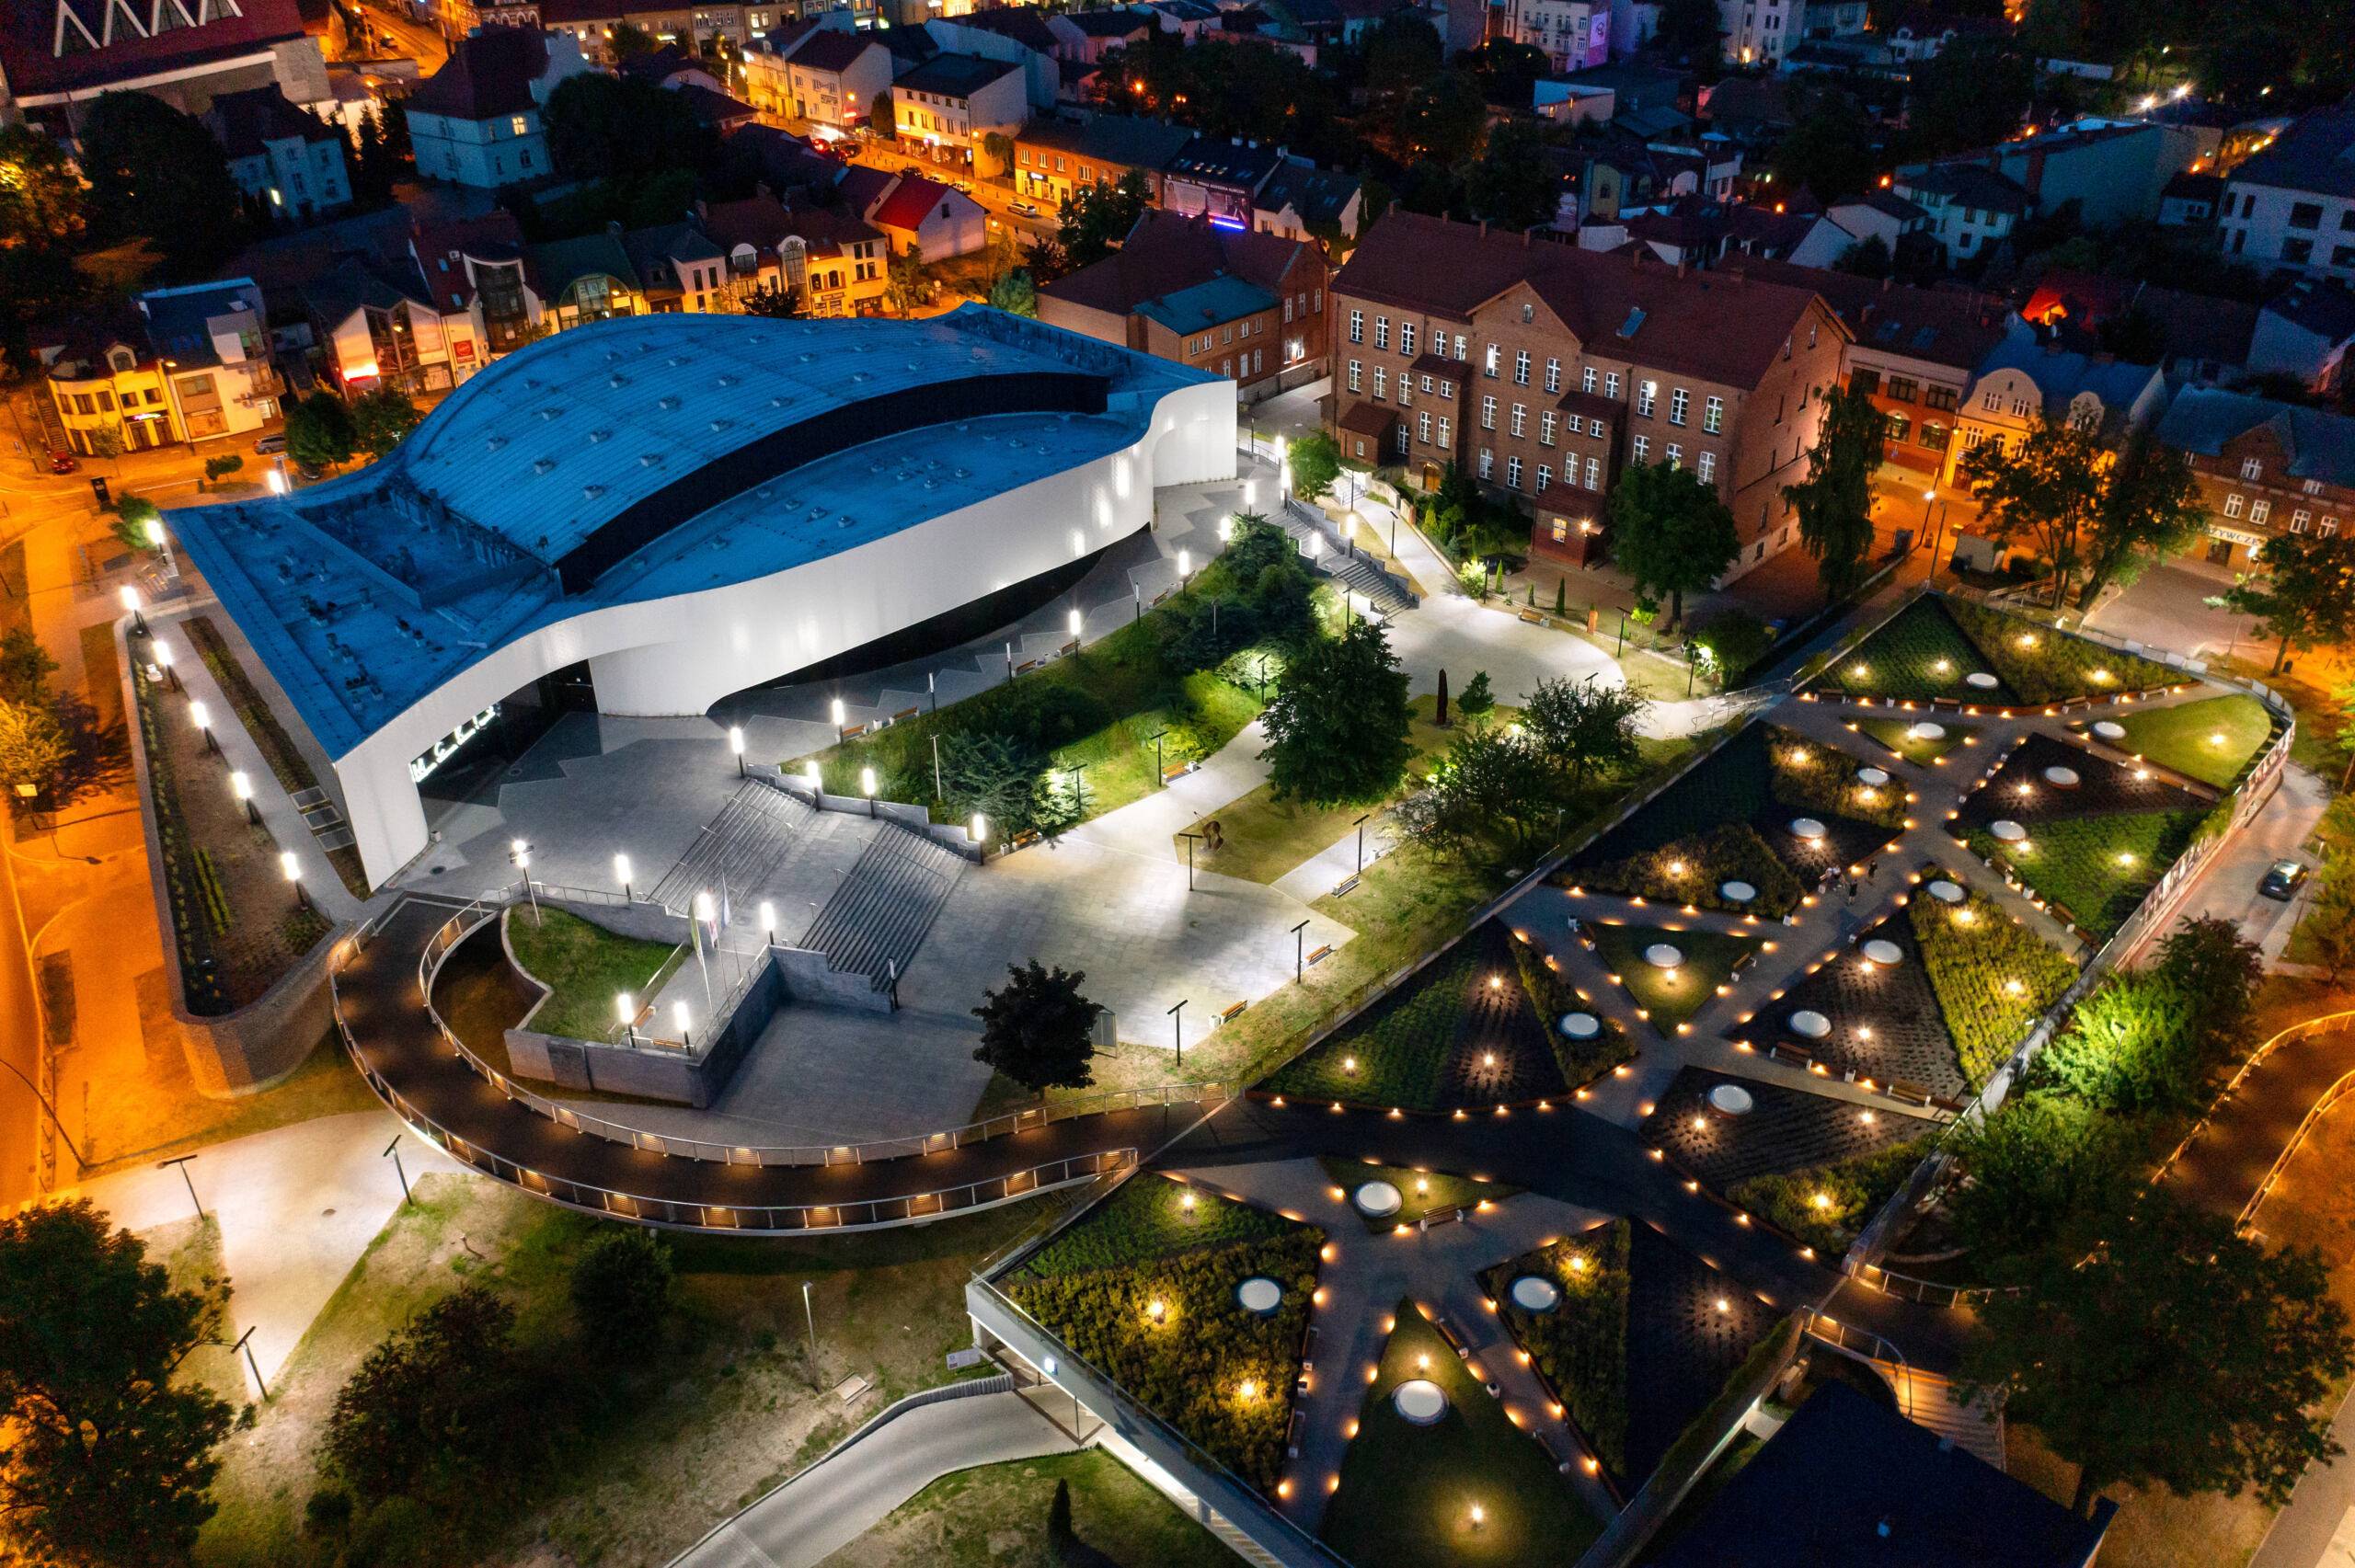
1680,402
1904,389
1934,436
2253,469
1228,333
2260,511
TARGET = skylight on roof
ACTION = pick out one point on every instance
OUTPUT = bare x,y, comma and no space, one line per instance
1634,321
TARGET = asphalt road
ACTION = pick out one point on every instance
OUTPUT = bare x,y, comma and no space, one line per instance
19,1111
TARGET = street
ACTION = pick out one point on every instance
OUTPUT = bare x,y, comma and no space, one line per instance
416,39
996,199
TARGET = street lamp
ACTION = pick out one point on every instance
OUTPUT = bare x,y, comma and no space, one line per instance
242,788
836,707
736,745
1185,566
981,830
130,596
621,875
274,480
291,868
866,788
1076,623
768,922
518,854
625,1010
200,715
810,776
1189,839
679,1016
164,663
158,539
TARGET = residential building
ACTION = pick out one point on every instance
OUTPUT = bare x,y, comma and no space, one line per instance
2115,171
58,56
1878,215
477,120
586,279
1054,157
2265,469
1573,34
1011,35
2305,332
186,364
1568,103
288,163
1220,178
951,103
679,267
1881,1489
1302,201
1922,32
1189,19
916,215
591,22
1084,38
828,76
1542,371
831,263
1763,32
2292,204
1971,207
376,322
2025,381
2192,202
475,267
2193,338
1248,307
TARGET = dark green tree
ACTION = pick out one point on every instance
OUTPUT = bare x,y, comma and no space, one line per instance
628,39
441,1398
1974,93
219,468
1337,729
881,117
1511,184
2168,1349
622,1290
625,130
41,197
1037,1029
1869,258
1736,639
1507,72
770,299
1096,218
1016,294
2029,1169
381,419
1477,699
108,1462
1444,118
1829,151
157,173
25,668
1493,798
319,432
2045,487
1692,31
2150,508
1670,532
1315,465
1400,53
1584,730
2306,595
1834,501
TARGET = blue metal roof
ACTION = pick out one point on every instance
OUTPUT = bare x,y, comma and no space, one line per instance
364,594
2321,445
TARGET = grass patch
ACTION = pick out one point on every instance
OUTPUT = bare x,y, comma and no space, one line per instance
1897,735
1396,1052
2041,665
1823,779
1721,1411
1827,1205
1149,1217
1918,655
1691,871
1670,997
1580,1347
585,966
2307,689
995,1517
189,1250
1422,1192
2211,740
2095,870
1408,1491
1991,974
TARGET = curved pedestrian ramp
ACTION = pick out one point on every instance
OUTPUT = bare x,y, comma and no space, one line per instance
881,911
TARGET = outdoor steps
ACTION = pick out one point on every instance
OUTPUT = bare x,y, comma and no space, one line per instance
740,847
879,912
1335,560
1931,1400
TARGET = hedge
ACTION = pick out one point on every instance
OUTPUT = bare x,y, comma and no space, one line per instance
1580,1347
1971,951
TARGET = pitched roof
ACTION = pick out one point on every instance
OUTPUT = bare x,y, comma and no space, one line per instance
714,107
487,74
1955,328
1970,185
1109,24
863,186
438,247
783,159
363,281
96,53
2060,375
1166,253
827,233
560,264
657,65
178,320
1226,159
759,220
656,252
1848,1483
911,201
2316,153
1023,24
830,49
1319,196
245,123
1130,141
1207,303
2324,309
2206,419
2197,326
1719,326
954,76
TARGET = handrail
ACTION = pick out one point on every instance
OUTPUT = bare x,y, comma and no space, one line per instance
2323,1024
2329,1097
447,937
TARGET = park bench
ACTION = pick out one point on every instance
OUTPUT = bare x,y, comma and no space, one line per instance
904,714
1027,665
1068,649
1319,955
1177,771
1912,1093
1534,619
1234,1012
1025,839
853,732
1346,885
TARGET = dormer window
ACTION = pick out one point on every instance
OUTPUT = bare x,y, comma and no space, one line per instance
2251,468
120,359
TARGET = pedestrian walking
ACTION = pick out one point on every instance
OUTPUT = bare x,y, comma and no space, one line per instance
1872,869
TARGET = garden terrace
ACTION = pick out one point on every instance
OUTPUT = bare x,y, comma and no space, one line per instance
1785,1129
1929,650
1690,871
2211,740
1407,1493
1168,1328
1897,735
1690,1327
1828,1205
1149,1218
1578,1349
2094,871
1421,1193
1920,654
2045,666
1887,1024
1461,1032
1581,1061
1992,975
1819,779
1668,997
585,966
2022,790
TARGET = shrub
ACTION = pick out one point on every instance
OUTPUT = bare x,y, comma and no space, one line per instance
1737,639
2028,1169
622,1289
1732,852
439,1399
1580,1348
1991,975
1827,1205
1582,1061
1804,774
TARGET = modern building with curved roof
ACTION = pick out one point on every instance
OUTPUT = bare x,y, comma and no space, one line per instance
688,506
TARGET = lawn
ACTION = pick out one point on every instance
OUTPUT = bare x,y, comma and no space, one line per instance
1669,997
1826,1206
2045,666
1580,1348
1424,1192
1920,654
721,1407
1407,1493
1149,1217
995,1517
585,966
1991,974
1931,647
1897,735
2211,740
2095,870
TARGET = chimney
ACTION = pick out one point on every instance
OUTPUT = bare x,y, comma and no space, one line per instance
1484,228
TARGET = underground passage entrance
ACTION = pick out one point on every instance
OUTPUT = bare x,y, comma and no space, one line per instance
471,759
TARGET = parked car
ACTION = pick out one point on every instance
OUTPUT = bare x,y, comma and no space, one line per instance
1022,209
62,463
2282,879
271,444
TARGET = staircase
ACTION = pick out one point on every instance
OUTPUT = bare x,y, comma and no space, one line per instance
882,909
1931,1400
742,846
1335,559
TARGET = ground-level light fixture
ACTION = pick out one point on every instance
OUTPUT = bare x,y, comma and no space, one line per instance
130,596
200,715
736,746
1075,621
981,829
290,866
274,480
768,912
836,707
679,1016
1185,565
809,775
242,789
866,788
621,875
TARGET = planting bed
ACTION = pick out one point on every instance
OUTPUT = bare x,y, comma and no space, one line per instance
1887,1024
1710,959
2094,870
1581,1060
1691,871
1920,654
1992,975
1827,1205
1786,1130
1689,1329
1931,647
1149,1218
1897,735
2103,788
2046,665
585,966
1819,779
1168,1329
1420,1192
2211,740
1580,1348
1461,1032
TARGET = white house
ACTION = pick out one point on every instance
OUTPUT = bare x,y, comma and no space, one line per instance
288,161
951,103
2293,204
827,75
477,120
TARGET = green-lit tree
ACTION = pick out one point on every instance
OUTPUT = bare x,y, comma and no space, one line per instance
1835,502
1014,294
1584,730
1037,1029
41,197
219,468
1096,218
381,419
2150,508
1315,466
1337,729
319,432
1670,532
1492,797
2304,596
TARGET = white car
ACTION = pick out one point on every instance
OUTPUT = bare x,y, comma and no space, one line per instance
1022,209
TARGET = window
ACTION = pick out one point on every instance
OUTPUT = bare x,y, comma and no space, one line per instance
1488,463
1934,435
2259,510
1402,441
1357,373
1512,473
1461,352
1713,414
2251,468
1611,386
1545,428
1993,403
1673,455
1442,430
1707,466
1521,367
2019,407
1406,386
1647,395
1553,376
1899,427
1941,398
2305,214
2299,518
1678,403
1407,338
1357,326
1643,449
2328,527
2233,505
1487,413
2311,488
1382,332
1423,429
2298,251
1561,530
1489,360
517,126
1594,473
1544,477
1520,418
1586,381
1902,389
1381,381
1866,381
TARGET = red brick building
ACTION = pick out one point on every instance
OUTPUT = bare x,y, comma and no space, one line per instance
2264,469
1542,371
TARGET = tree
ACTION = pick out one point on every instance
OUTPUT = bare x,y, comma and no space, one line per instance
905,280
1444,118
2149,509
1584,730
2046,488
1834,501
1478,701
1315,465
2329,929
2153,1038
1037,1029
1493,796
2175,1352
1670,532
381,419
33,747
770,299
622,1289
1096,218
1016,294
1401,52
157,173
2029,1167
1829,150
41,197
2306,595
319,432
440,1397
881,118
1338,730
219,468
1973,93
1511,184
997,147
625,130
108,1462
1690,31
1869,258
25,668
628,39
1045,259
133,516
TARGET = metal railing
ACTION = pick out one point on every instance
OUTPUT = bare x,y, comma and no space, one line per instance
2315,1113
1929,1292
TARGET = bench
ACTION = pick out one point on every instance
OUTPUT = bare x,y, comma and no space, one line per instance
1912,1093
1319,955
1346,885
1025,839
1162,595
1534,619
1783,1050
1068,649
852,731
1177,771
1027,665
1234,1012
904,714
